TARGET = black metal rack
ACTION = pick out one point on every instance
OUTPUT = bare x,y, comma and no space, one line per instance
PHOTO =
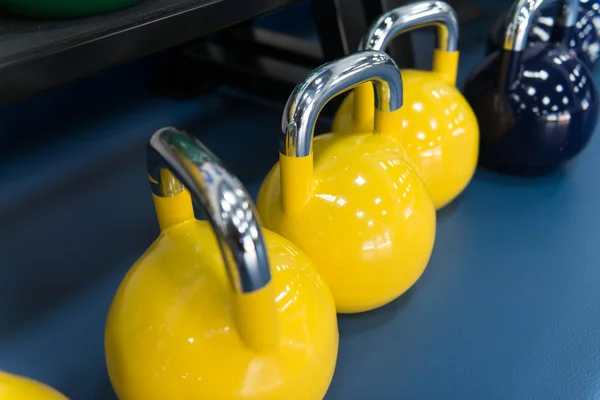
38,55
271,63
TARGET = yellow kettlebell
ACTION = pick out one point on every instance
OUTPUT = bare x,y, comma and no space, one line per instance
351,202
217,309
439,129
14,387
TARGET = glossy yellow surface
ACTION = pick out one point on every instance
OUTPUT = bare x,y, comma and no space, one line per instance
439,129
359,211
176,330
14,387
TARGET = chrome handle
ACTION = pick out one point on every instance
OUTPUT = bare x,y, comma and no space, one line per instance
523,13
308,98
414,16
175,160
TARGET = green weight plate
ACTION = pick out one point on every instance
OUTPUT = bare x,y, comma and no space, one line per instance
63,9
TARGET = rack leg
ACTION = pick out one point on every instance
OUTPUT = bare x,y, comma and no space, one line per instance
340,26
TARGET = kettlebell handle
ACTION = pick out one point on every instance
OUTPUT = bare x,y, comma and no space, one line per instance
331,79
414,16
522,14
175,160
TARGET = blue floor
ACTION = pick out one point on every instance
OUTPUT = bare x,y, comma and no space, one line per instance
508,307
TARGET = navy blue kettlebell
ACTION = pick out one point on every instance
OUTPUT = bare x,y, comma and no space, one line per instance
584,39
537,105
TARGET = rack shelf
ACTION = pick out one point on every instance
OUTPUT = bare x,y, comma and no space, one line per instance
38,55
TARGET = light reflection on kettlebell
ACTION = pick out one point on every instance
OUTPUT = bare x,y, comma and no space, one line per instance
538,96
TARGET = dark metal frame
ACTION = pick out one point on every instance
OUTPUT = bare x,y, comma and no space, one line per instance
38,55
271,64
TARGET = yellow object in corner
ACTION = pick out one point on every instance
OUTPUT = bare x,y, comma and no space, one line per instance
439,131
14,387
234,312
351,202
